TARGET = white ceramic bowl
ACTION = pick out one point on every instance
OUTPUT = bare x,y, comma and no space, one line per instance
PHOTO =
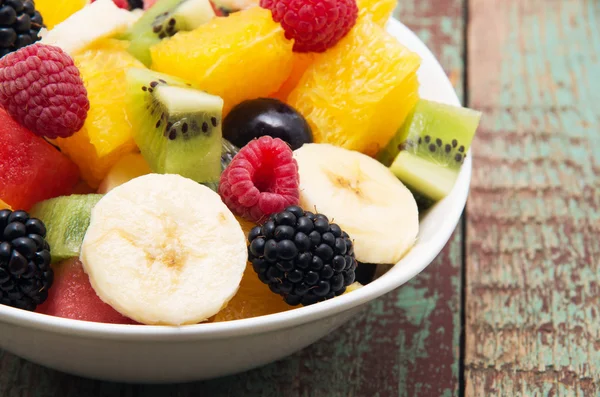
156,354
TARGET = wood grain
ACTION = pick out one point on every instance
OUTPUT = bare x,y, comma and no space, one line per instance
533,253
405,344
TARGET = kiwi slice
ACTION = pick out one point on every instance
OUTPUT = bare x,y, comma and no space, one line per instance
176,127
427,152
164,19
67,219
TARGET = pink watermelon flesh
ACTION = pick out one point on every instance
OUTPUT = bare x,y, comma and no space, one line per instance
72,296
31,169
148,3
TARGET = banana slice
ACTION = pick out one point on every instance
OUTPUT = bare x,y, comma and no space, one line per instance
363,197
163,249
93,22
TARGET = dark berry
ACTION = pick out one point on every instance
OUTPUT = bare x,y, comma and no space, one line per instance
335,229
266,116
324,251
284,232
316,263
304,225
339,263
322,289
254,233
321,225
25,273
26,246
8,15
304,260
340,245
329,239
14,230
315,238
297,211
295,276
268,229
20,25
311,278
257,246
17,264
285,266
301,256
133,4
270,251
28,8
5,250
286,249
285,218
302,241
326,272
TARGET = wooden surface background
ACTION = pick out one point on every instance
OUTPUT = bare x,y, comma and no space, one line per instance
511,307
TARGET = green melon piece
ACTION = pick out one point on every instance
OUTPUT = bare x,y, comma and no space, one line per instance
429,149
67,219
176,127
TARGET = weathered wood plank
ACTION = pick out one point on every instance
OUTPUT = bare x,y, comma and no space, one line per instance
533,256
405,344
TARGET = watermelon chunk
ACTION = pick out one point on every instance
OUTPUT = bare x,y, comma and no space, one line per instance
72,296
31,169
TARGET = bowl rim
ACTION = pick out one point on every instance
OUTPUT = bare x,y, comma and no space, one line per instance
272,322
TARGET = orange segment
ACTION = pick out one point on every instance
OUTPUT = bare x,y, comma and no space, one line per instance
4,206
56,11
358,94
106,135
243,56
378,10
301,62
253,299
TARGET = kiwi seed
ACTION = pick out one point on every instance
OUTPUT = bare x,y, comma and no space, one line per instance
448,148
427,138
458,157
438,142
454,143
184,128
213,120
153,84
204,127
432,148
461,149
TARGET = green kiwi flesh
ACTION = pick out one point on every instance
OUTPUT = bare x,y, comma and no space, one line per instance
67,219
164,19
424,177
434,131
429,149
176,127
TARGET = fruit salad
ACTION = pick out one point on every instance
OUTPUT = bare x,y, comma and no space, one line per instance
175,162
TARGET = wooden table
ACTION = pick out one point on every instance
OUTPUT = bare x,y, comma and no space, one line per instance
512,305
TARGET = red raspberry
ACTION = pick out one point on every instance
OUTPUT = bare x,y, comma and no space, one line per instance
261,180
315,25
40,87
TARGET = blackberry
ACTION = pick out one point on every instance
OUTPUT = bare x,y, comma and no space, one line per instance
20,25
25,273
133,4
302,256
